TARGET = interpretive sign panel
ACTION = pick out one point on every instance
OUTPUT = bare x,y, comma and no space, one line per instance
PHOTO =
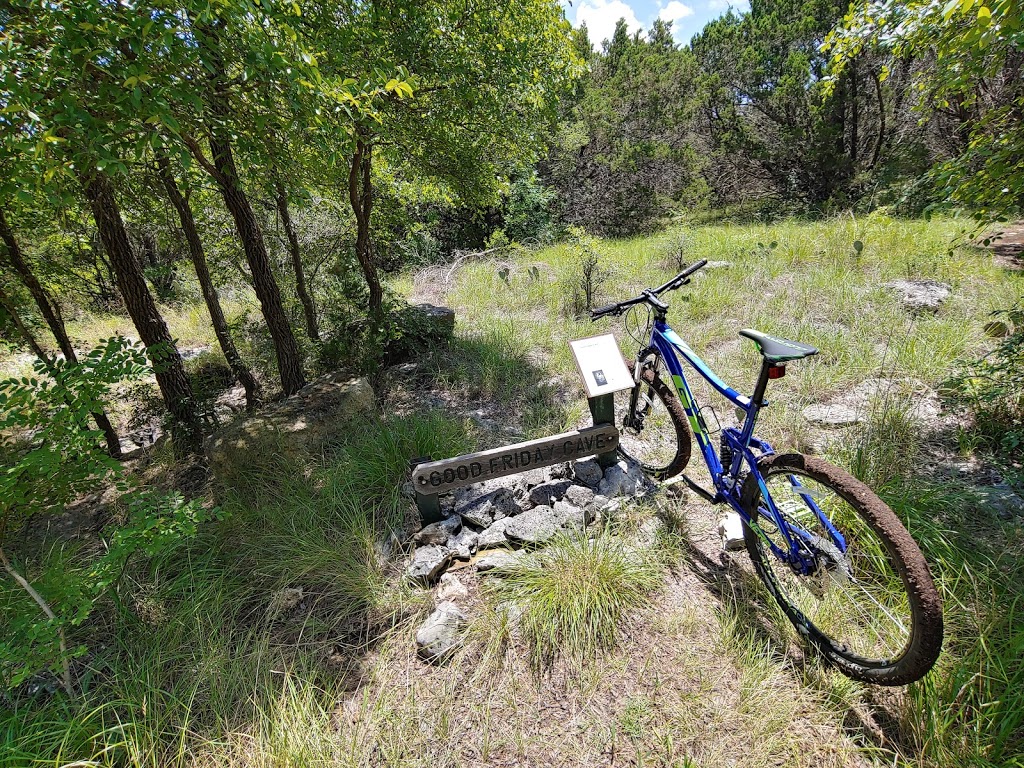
601,365
440,476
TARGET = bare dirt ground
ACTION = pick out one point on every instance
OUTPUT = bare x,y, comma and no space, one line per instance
1008,246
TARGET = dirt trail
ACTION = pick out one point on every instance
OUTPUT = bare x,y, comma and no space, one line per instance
1008,246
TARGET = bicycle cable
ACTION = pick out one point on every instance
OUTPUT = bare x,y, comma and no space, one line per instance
641,334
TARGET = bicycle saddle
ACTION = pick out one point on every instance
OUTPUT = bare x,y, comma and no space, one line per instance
776,350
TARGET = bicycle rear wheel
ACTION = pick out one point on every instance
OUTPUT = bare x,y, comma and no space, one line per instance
872,610
655,433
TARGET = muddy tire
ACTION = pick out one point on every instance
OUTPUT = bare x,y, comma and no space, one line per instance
873,610
662,447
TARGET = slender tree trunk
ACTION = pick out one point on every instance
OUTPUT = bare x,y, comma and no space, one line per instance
12,311
50,311
289,363
167,364
66,680
225,174
880,139
854,114
360,194
195,248
312,328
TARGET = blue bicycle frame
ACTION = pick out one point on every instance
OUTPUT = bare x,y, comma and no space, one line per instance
666,343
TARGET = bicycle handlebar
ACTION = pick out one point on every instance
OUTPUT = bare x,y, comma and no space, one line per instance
650,295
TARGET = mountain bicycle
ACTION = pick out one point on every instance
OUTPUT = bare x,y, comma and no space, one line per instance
838,561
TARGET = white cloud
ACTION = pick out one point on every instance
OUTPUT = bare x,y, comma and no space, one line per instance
675,11
600,16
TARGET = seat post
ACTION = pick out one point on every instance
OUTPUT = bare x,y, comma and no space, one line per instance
762,384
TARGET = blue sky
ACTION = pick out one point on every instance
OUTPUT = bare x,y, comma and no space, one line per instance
688,17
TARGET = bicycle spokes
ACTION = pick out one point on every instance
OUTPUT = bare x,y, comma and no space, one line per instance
841,577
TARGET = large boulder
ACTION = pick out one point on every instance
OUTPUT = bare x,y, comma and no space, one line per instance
300,425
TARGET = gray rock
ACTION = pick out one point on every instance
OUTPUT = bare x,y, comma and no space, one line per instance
408,491
539,524
855,405
588,472
498,561
570,515
428,563
438,636
559,471
437,323
1001,500
318,413
495,535
450,588
623,479
833,414
191,353
483,509
524,481
548,493
464,545
439,532
920,295
580,495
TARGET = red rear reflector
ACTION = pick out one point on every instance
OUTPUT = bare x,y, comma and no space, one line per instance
776,372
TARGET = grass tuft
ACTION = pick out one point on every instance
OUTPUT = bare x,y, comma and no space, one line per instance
573,595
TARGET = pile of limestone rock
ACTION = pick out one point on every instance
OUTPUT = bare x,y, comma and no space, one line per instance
524,510
495,523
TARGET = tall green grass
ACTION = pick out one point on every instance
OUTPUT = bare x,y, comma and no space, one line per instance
197,663
571,597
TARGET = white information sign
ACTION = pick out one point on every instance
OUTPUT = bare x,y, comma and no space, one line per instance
601,365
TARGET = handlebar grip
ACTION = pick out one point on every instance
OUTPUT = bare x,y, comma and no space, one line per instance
692,268
600,312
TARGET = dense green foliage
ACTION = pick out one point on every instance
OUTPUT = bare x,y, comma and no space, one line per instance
972,53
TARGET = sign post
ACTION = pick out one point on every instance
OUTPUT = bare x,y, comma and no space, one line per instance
604,373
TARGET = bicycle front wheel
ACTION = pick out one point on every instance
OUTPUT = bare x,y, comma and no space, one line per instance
653,431
872,610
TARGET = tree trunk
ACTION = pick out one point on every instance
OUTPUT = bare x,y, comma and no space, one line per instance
50,311
312,328
880,138
195,248
7,303
167,364
289,363
225,174
360,194
854,113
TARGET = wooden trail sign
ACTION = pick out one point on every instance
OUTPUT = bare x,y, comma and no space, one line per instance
604,373
440,476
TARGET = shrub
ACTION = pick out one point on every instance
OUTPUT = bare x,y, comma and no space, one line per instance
993,387
585,277
54,455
